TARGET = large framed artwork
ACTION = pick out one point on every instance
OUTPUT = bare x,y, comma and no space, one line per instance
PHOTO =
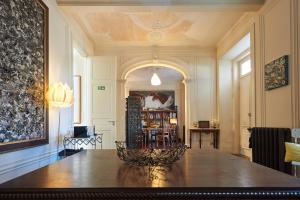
277,73
154,100
23,74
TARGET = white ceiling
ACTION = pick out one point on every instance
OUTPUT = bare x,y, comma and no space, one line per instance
177,24
166,75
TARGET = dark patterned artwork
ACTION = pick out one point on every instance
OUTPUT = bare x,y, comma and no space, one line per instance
154,100
23,74
277,73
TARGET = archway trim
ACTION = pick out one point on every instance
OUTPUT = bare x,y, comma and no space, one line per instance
150,63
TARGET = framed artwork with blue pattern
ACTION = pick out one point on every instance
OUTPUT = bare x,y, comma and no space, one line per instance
277,73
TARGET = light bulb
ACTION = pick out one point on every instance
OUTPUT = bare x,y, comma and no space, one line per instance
155,79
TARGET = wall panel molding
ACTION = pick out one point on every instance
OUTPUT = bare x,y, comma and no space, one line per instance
25,165
289,96
294,63
262,66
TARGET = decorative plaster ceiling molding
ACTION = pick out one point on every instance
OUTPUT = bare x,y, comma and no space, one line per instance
114,28
161,51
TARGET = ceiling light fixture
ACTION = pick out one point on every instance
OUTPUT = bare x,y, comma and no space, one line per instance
155,80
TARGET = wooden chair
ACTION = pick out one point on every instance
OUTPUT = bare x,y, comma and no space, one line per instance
173,136
203,124
162,137
153,133
166,136
145,137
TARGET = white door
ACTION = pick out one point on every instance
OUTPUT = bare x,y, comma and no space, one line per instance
103,98
245,95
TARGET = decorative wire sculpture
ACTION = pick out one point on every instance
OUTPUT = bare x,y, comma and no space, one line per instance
150,156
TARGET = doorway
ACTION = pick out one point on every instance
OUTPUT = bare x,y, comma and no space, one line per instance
160,102
184,97
237,96
245,104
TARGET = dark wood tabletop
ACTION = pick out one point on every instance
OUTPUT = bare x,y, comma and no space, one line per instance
198,170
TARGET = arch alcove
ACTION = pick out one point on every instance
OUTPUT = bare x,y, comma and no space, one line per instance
130,67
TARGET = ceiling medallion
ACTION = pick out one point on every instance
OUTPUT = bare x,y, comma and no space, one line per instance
163,20
155,36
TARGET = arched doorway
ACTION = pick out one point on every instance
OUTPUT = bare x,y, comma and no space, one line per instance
127,69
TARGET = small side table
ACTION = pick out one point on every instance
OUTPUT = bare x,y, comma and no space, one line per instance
214,131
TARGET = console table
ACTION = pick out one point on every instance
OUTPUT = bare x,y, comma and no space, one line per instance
93,140
214,131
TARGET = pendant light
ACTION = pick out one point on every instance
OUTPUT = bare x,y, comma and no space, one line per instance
155,80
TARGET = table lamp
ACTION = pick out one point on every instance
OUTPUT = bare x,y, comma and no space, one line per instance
61,96
173,121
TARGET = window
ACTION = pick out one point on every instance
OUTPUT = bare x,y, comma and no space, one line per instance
245,67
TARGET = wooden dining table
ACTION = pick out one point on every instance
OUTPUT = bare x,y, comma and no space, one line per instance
199,174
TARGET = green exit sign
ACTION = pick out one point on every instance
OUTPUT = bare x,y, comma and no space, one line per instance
101,87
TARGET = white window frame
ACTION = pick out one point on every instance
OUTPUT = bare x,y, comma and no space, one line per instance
243,60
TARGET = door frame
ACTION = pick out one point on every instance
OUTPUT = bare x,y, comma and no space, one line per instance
236,95
246,56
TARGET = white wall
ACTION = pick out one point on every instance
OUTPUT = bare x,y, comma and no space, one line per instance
200,84
226,110
275,32
276,35
16,163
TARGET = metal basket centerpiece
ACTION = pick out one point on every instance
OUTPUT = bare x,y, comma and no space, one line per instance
150,156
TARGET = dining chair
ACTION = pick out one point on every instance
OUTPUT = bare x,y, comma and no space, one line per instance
296,136
153,132
204,124
173,136
166,136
